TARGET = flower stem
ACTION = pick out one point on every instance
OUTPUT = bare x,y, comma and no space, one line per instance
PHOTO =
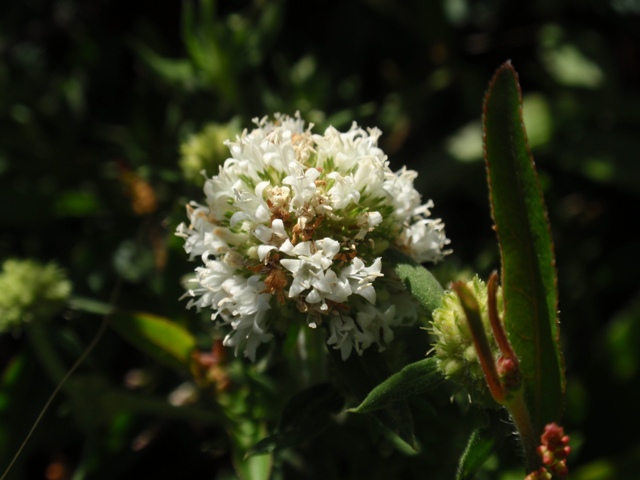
520,415
503,377
496,325
471,309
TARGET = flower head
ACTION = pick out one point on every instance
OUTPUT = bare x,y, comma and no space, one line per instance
454,349
296,223
30,291
205,150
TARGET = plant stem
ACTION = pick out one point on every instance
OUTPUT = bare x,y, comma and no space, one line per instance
497,327
471,309
520,415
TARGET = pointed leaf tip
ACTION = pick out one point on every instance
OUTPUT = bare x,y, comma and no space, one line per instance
413,380
526,247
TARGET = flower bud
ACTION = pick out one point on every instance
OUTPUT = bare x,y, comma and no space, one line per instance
454,349
30,291
205,150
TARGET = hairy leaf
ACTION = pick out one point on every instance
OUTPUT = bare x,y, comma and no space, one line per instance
482,443
414,379
419,281
361,374
528,264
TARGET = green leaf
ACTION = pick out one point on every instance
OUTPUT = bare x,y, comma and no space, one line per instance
210,47
89,305
418,280
528,263
305,416
159,337
361,374
245,434
414,379
481,445
177,72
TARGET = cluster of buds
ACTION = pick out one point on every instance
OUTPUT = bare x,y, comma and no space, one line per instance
540,474
553,451
30,292
465,351
455,352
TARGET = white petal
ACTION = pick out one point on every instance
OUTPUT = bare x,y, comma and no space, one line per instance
278,228
287,247
263,251
291,264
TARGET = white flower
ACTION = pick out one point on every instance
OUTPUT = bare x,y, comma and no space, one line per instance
361,278
297,222
303,185
422,240
371,325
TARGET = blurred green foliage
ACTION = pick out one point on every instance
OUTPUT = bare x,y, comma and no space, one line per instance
97,99
30,292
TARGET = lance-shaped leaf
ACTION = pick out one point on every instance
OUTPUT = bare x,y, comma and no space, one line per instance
483,442
361,374
528,264
159,337
414,379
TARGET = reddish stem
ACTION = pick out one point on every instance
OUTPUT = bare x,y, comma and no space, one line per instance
480,342
494,319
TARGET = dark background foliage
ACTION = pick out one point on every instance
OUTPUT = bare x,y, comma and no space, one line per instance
96,98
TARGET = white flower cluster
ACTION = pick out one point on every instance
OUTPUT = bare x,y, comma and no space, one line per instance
294,226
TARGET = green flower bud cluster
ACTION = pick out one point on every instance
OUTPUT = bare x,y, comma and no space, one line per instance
454,349
206,150
30,291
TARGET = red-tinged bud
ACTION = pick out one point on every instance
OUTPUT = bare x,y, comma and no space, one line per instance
210,368
540,474
554,450
553,434
509,372
559,469
556,441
